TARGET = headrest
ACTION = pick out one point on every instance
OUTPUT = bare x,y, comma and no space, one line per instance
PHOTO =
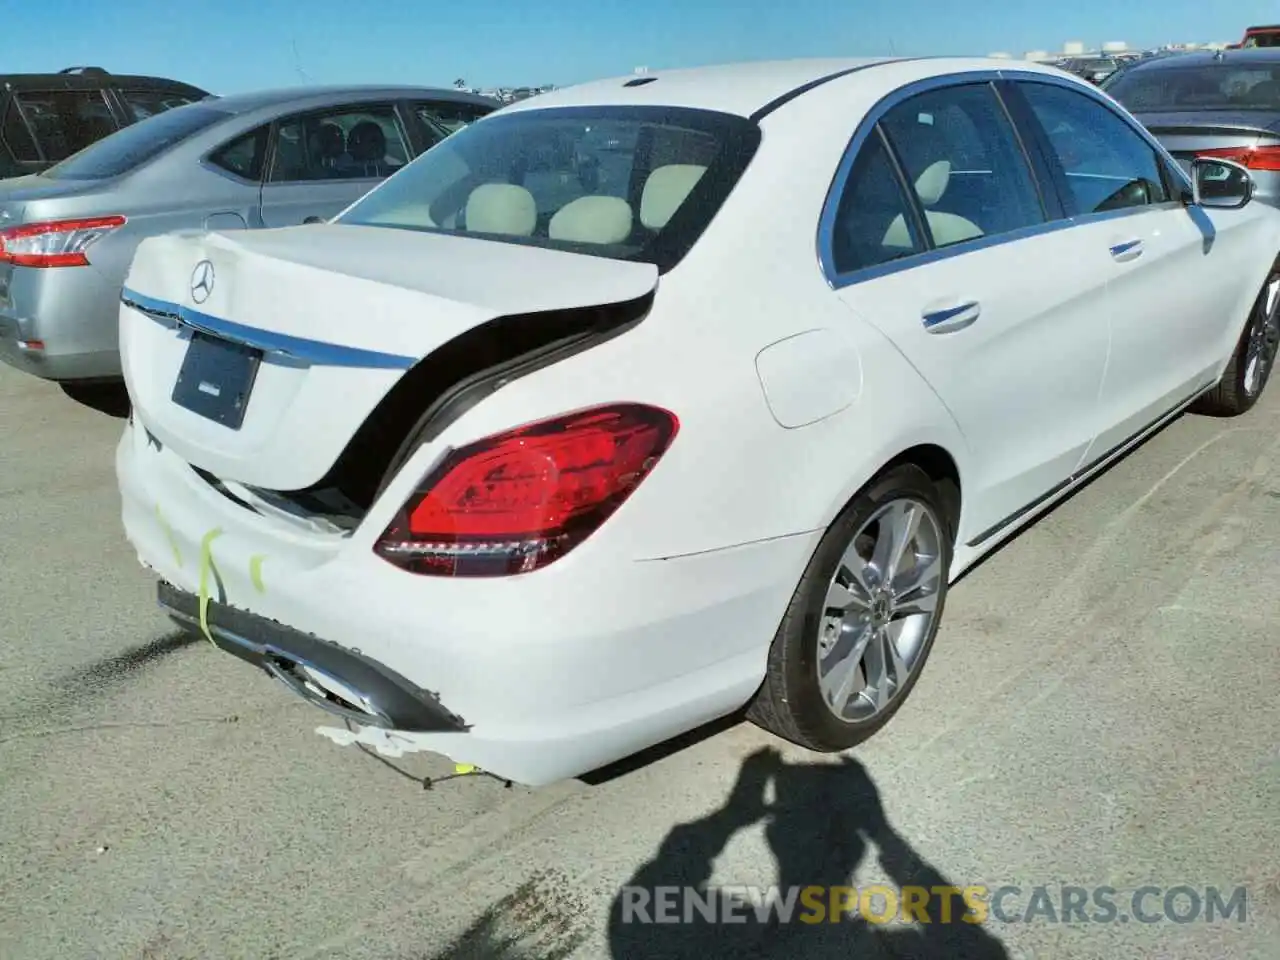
502,208
932,183
592,219
664,191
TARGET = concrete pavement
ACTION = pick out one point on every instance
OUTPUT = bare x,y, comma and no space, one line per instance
1100,709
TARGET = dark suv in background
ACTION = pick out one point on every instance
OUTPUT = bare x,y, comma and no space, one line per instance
46,117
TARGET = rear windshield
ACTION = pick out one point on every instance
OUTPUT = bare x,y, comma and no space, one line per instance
628,183
1206,86
134,145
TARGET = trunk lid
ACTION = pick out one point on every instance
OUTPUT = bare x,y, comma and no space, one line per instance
1186,133
338,315
21,190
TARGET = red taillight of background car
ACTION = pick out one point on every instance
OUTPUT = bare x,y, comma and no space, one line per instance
54,243
519,500
1254,158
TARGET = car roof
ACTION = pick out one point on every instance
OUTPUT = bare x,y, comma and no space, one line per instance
1253,55
89,78
305,96
749,89
741,88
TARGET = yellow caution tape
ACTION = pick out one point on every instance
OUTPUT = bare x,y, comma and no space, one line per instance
168,532
206,564
461,768
255,572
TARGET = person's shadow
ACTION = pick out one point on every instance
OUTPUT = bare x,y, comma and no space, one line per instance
821,824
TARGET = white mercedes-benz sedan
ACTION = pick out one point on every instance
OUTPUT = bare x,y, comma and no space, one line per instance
645,401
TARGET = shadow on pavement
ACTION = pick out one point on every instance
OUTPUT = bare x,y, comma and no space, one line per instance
111,398
823,822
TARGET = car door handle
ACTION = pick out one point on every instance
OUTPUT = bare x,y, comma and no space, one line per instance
951,319
1126,251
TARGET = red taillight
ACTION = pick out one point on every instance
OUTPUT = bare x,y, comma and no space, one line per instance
517,501
54,243
1255,158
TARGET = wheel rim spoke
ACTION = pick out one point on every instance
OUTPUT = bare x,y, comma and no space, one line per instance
839,682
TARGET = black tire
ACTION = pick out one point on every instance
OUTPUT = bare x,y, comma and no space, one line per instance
790,703
1231,396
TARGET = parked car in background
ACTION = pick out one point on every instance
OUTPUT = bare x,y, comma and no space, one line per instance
1260,36
649,399
270,159
1093,69
46,117
1212,104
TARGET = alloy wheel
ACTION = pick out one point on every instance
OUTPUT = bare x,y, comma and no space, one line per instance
1264,339
880,608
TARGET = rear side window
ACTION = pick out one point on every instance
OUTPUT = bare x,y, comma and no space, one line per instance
147,103
873,223
962,158
17,138
137,143
66,121
346,143
1107,164
244,155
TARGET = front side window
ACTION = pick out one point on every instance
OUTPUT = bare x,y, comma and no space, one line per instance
963,161
66,121
631,183
346,143
1200,86
136,144
1108,165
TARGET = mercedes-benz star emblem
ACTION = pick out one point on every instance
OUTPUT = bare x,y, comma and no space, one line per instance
202,281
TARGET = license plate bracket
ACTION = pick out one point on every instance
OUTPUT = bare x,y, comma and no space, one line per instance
216,379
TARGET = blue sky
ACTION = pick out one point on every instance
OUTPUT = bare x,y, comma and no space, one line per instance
231,45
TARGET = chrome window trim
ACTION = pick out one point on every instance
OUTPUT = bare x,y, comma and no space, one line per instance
870,123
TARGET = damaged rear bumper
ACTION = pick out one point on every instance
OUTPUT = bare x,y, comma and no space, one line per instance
343,682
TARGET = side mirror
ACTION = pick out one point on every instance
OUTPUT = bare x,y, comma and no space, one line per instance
1222,184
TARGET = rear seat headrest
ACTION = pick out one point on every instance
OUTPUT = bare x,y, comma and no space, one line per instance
502,208
664,191
592,219
932,182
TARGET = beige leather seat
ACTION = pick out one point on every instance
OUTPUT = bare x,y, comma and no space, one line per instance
592,219
502,208
947,228
664,191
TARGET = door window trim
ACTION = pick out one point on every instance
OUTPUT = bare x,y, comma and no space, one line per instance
1027,136
269,161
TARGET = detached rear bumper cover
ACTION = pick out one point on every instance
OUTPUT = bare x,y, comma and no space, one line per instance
341,681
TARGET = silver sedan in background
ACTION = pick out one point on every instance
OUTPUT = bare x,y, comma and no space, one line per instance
1223,104
272,159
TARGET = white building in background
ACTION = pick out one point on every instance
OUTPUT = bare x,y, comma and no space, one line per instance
1111,48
